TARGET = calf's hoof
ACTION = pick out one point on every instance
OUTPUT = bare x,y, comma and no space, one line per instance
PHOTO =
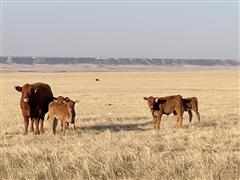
37,132
176,126
42,131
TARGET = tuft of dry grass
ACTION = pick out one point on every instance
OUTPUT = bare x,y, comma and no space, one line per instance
115,139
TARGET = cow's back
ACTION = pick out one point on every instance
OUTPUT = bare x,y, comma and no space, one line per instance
44,93
190,103
59,110
171,104
43,97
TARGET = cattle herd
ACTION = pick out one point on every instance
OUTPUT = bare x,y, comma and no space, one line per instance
37,99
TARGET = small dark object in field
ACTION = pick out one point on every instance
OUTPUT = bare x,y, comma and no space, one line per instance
97,79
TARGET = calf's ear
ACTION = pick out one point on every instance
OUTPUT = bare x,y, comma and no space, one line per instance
145,98
67,99
18,88
76,103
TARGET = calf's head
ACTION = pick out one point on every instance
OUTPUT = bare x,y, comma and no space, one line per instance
28,92
62,99
151,102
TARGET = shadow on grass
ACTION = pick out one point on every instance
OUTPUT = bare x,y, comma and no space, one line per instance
116,127
204,124
208,123
116,118
201,124
10,135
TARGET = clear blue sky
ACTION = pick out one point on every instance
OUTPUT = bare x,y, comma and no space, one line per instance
121,29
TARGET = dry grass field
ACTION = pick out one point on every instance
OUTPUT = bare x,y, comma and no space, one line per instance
115,139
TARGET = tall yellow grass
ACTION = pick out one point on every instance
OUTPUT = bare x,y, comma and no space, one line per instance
115,139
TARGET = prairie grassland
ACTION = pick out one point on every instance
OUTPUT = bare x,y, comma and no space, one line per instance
115,139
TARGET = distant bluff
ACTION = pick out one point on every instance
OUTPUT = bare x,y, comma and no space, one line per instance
118,61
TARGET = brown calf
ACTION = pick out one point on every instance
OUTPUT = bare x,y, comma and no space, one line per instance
62,99
190,104
165,105
62,111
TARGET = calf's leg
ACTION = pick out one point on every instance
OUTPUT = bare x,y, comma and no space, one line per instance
67,125
180,120
190,115
37,126
155,115
64,127
52,125
158,120
74,126
177,119
55,122
154,120
61,126
198,115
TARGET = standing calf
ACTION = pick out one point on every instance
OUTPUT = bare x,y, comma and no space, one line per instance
62,111
165,105
190,104
62,99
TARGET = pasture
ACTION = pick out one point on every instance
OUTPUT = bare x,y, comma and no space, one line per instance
114,137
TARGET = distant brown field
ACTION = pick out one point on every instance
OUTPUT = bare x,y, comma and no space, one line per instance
115,139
